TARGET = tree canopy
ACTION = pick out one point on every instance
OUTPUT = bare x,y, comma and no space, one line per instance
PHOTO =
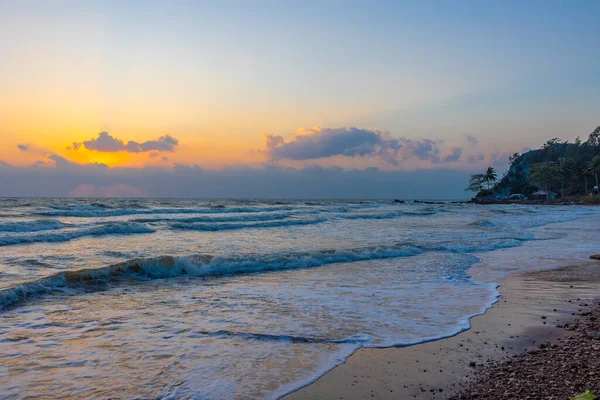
557,162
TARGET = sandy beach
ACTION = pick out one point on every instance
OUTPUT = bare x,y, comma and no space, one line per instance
533,309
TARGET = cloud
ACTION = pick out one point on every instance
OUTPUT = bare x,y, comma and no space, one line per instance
319,143
474,158
270,181
23,147
424,149
309,144
273,141
471,139
74,146
115,190
453,154
110,144
59,161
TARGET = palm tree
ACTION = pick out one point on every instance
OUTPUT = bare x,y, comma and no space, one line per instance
594,168
565,168
476,183
544,174
490,176
583,173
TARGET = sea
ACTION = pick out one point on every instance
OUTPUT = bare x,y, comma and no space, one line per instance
248,299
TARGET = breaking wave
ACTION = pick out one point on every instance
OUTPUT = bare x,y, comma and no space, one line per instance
200,265
109,228
31,226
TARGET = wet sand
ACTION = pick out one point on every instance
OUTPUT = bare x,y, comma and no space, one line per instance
528,312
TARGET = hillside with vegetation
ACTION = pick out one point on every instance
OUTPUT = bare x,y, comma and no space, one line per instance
567,169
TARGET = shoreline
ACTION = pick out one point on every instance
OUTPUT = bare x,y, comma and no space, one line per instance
567,201
527,312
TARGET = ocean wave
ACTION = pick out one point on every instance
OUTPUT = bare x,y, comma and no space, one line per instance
268,219
88,212
388,215
531,221
244,225
355,339
31,226
422,212
109,228
221,218
482,245
371,216
200,265
483,224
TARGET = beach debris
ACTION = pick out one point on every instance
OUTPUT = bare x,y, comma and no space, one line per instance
584,396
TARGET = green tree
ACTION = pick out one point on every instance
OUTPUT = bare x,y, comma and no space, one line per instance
594,168
490,177
476,183
565,169
544,174
583,174
513,158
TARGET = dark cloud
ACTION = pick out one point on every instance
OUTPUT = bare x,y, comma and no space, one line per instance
472,159
164,143
423,149
61,178
312,144
110,144
59,161
453,154
471,139
115,190
23,147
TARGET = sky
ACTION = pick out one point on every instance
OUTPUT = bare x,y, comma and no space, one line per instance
396,99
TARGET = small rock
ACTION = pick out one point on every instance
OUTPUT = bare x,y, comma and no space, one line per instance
594,335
